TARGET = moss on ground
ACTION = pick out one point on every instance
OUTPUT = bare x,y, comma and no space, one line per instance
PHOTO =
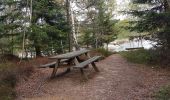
163,93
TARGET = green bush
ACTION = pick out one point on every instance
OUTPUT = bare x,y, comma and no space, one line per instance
138,56
104,52
163,93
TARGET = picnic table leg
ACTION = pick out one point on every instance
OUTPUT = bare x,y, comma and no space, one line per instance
83,74
55,69
70,62
76,61
95,67
87,54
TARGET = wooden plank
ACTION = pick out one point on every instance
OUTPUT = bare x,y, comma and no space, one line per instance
70,54
52,64
83,64
76,61
55,69
88,56
137,48
95,67
48,65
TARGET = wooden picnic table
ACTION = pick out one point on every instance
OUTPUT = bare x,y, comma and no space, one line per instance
70,54
72,58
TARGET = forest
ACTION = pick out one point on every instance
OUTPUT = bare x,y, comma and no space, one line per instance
126,34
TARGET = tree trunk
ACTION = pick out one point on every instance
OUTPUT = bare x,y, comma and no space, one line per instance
24,35
38,51
12,50
74,31
68,21
107,46
96,43
30,12
168,2
71,23
167,5
62,47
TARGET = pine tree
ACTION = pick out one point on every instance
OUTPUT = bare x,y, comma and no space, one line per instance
156,21
10,23
99,23
41,25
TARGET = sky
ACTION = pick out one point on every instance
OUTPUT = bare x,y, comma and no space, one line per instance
121,5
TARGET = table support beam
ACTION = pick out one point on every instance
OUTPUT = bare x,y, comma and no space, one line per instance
55,69
95,67
83,74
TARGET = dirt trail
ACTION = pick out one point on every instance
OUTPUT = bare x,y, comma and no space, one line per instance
117,80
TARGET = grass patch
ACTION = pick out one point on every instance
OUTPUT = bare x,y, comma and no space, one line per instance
138,56
163,93
103,52
151,57
100,52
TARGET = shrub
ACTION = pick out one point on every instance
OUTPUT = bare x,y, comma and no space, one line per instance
103,52
9,75
6,92
138,56
8,81
163,93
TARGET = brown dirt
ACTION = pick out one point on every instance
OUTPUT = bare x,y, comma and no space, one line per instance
117,80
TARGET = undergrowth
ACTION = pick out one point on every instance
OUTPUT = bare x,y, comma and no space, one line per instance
7,81
103,52
163,93
141,56
9,76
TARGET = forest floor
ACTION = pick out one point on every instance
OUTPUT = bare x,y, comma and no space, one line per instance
117,80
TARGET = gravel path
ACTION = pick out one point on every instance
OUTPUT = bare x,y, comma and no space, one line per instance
117,80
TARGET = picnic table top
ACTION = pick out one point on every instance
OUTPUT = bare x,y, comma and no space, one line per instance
70,54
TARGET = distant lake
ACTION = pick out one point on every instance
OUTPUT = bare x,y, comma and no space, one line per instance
147,44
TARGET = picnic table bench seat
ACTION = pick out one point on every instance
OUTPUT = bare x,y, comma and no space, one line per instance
83,64
52,64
